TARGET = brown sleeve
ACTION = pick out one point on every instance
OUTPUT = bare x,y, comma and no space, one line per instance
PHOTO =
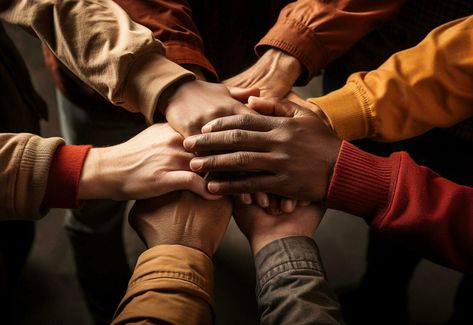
171,284
25,160
318,31
171,22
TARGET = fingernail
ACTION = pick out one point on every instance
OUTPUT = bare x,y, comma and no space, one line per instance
206,128
250,99
212,187
196,164
265,202
189,143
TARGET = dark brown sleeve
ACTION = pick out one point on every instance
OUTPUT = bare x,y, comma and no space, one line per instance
171,22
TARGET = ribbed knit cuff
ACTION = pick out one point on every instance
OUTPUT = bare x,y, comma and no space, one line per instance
362,183
64,177
347,111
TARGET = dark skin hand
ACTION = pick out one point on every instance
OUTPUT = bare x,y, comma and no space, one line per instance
292,153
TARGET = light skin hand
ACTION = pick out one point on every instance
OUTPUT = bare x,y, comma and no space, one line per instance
181,218
289,156
192,103
274,74
150,164
261,228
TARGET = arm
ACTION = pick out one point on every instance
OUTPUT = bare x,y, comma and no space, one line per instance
308,35
172,282
171,22
291,286
414,91
99,43
408,202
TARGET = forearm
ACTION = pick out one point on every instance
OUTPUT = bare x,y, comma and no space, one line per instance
414,91
171,284
291,284
99,43
316,32
409,202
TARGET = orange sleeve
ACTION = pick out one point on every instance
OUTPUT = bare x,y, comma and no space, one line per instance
318,31
414,91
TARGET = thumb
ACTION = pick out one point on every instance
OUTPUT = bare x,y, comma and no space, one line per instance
186,180
242,94
273,106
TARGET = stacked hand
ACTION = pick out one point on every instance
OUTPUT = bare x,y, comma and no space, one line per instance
294,150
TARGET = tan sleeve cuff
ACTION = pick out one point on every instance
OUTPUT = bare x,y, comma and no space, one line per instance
171,283
348,112
299,41
149,76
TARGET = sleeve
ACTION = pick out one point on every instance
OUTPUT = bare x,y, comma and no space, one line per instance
171,22
414,91
100,44
291,284
318,31
408,202
25,161
171,284
64,176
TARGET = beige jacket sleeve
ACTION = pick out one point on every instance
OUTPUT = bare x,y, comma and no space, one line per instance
100,44
427,86
171,284
24,170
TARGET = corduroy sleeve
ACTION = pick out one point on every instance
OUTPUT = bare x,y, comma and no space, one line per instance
414,91
318,31
171,284
408,202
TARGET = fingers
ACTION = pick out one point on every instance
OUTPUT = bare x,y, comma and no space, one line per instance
182,180
288,205
235,161
243,122
228,141
242,94
273,106
261,199
250,184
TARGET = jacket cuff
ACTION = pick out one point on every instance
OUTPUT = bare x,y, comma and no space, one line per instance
149,76
64,177
282,255
299,41
182,54
362,184
348,112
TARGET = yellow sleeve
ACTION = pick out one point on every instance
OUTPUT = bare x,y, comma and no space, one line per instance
171,284
427,86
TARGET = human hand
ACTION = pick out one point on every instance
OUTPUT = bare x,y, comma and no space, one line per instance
194,103
150,164
274,74
292,154
181,218
261,228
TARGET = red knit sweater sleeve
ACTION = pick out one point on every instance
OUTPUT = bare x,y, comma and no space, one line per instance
409,202
64,176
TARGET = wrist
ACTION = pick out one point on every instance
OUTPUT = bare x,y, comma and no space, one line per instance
285,64
93,182
167,94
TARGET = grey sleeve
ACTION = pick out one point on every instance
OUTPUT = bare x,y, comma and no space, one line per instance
291,285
